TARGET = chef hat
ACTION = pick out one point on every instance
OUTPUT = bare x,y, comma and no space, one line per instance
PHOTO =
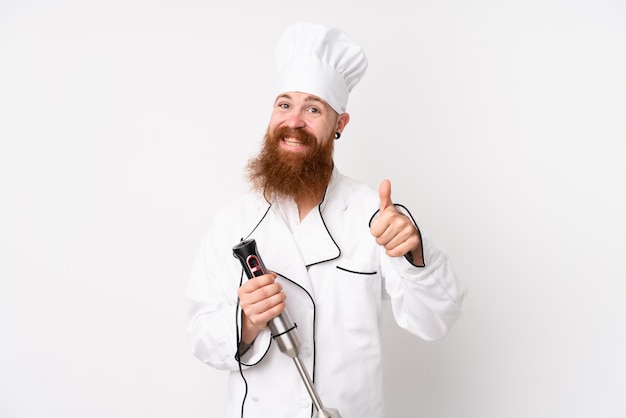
321,61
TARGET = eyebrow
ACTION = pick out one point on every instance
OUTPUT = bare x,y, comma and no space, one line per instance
308,98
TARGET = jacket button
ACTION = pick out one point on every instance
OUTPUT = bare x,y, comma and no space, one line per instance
305,352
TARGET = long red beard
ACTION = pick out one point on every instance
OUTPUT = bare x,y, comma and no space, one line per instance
302,176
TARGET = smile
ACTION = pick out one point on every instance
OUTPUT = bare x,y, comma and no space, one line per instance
292,142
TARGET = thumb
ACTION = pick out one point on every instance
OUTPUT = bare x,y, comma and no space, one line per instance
384,192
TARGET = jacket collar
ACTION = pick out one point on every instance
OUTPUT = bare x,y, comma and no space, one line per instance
291,254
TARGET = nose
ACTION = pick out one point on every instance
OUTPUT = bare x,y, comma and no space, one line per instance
295,120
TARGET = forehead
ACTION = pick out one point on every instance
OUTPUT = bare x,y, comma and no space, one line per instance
296,96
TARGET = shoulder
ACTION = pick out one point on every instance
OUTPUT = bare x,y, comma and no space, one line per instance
237,216
347,194
351,189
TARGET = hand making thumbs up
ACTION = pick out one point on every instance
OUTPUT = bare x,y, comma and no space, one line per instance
394,230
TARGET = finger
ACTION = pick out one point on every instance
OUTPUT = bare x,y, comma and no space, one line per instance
384,193
265,305
401,244
257,289
255,283
399,250
260,320
400,238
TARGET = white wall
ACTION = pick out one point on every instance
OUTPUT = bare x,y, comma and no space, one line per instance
502,124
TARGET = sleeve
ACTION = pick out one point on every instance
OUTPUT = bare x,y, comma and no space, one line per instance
426,301
214,316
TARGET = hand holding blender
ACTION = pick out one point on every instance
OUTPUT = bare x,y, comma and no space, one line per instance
283,330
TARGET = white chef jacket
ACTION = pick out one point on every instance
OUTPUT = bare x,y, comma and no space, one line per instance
335,277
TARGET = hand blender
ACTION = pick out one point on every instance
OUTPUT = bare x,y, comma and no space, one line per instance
284,332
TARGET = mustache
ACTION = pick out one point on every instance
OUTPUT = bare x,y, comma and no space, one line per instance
299,134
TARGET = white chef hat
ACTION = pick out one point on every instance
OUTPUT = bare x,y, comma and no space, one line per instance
321,61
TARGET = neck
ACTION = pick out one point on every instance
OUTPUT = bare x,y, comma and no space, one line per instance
304,207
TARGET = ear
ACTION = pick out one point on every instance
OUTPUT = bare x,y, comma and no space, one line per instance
342,121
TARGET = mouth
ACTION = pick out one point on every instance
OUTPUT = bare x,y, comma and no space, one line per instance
292,142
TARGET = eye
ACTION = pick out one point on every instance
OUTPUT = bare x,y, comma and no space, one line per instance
283,105
314,110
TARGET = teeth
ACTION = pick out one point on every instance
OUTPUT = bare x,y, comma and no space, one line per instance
292,142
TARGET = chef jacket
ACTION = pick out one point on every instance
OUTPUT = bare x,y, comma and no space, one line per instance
336,278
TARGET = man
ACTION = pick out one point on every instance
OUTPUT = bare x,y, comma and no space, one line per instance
335,247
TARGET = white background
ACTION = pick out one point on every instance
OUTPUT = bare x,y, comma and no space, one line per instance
500,123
